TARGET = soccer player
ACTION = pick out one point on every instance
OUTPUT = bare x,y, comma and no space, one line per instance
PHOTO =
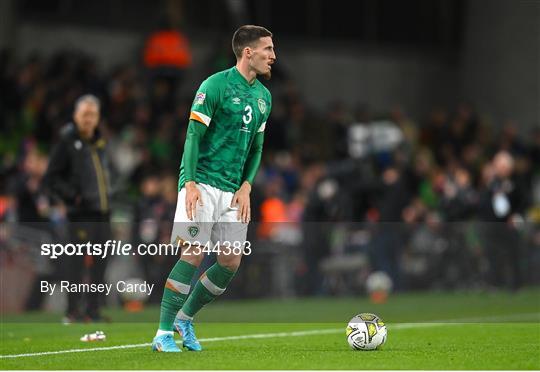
221,157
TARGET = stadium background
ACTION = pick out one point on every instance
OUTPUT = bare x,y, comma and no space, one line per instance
446,84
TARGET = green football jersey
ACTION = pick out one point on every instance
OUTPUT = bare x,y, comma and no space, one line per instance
234,112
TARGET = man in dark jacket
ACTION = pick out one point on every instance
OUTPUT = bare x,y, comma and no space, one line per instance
77,176
501,209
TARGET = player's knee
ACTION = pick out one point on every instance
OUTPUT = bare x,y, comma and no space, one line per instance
230,262
231,266
195,260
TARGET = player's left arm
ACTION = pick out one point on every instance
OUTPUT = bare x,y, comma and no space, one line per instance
253,161
254,157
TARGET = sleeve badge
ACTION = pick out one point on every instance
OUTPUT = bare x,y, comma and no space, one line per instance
199,98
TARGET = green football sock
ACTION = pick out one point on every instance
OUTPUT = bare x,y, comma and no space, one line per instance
175,293
210,285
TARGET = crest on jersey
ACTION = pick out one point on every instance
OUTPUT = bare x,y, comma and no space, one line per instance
262,105
236,100
193,231
199,98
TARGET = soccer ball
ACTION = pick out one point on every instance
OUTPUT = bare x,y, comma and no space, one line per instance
366,332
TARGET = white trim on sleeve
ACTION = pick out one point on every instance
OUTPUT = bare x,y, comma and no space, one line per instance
199,116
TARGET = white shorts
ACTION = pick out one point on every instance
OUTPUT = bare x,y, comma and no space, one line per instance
215,221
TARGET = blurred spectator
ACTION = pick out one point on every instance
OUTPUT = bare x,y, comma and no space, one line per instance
501,212
77,176
338,120
407,126
385,252
152,216
31,205
535,150
458,199
509,141
273,209
276,138
31,209
167,55
434,134
122,93
162,142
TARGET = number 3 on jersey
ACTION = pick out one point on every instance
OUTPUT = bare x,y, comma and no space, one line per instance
248,114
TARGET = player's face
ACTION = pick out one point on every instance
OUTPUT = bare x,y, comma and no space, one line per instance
263,57
87,118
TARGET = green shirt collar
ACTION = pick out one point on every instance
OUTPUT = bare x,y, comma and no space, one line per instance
242,78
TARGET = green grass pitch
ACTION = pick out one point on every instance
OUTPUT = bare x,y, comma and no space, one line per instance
425,331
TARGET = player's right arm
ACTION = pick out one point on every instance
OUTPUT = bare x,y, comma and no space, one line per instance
202,111
194,135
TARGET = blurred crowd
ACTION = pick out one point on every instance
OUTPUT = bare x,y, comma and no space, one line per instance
447,199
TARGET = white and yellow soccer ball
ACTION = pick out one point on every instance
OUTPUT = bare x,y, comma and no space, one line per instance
366,332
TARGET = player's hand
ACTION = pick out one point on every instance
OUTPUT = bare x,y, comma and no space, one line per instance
242,202
193,196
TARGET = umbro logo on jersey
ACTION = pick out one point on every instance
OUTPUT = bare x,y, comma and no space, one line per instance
236,100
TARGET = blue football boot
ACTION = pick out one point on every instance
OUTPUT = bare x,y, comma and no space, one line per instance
185,329
165,343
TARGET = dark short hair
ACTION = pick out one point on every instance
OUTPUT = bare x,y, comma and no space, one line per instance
246,36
